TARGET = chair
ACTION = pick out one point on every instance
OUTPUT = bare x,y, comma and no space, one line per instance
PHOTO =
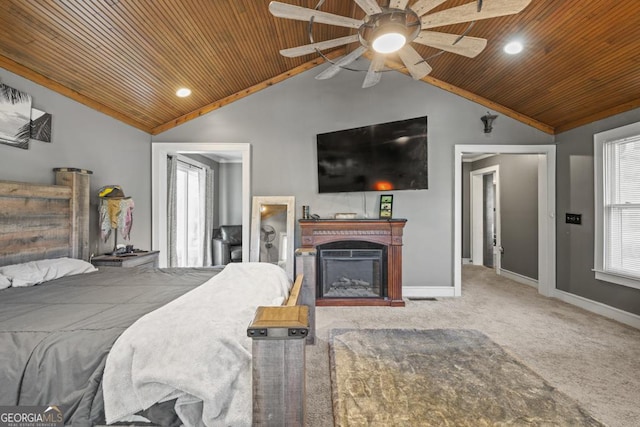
227,244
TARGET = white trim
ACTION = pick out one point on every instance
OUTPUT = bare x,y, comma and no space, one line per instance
159,152
618,279
547,223
518,278
466,261
476,158
427,291
457,221
599,140
621,316
546,210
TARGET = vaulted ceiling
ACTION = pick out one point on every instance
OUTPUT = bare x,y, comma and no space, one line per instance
127,58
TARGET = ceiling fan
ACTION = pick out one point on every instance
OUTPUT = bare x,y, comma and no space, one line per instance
391,28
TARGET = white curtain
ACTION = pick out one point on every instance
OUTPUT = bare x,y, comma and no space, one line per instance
172,172
207,257
206,196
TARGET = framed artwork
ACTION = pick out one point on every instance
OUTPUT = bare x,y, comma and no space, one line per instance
386,206
40,125
15,117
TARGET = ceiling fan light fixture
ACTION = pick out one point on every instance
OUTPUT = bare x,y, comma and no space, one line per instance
388,31
392,28
389,41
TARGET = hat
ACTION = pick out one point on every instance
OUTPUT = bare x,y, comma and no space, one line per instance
110,192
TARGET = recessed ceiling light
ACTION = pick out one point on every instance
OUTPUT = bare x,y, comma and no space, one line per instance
183,92
513,47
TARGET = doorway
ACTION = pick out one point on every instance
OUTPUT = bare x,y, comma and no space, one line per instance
159,153
485,217
546,209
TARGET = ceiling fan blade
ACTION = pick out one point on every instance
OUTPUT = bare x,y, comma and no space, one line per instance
373,75
416,65
293,52
467,46
469,12
423,6
398,4
370,7
342,62
283,10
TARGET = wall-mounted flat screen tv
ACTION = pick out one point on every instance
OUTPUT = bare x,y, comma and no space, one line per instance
381,157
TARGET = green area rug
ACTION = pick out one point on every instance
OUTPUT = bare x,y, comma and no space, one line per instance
440,377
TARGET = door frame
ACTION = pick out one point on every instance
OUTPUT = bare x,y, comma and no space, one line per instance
476,212
546,210
159,152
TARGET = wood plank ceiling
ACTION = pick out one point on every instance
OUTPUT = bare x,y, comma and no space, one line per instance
127,58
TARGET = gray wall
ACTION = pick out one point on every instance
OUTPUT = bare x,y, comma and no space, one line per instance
84,138
281,123
518,210
231,194
575,194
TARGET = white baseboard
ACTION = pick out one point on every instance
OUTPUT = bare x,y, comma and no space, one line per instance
584,303
621,316
466,261
427,291
519,278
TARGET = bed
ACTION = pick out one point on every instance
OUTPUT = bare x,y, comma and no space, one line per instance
133,345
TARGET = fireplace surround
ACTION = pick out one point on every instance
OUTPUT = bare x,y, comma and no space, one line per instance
358,261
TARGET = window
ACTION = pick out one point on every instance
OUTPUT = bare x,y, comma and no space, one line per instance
190,194
617,178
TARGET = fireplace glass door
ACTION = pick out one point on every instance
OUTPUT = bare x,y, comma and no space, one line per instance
358,272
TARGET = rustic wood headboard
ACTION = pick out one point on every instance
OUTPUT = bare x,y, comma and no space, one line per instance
45,221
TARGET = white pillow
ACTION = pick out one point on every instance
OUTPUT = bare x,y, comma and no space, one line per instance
35,272
4,282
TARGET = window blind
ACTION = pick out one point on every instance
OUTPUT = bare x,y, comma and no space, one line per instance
622,207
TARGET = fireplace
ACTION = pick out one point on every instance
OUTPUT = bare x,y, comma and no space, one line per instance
358,261
352,269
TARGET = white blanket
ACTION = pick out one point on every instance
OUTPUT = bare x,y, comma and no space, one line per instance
195,349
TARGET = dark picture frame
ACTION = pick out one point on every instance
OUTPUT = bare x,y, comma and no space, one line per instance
386,206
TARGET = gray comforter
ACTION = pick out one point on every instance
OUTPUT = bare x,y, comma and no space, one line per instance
54,337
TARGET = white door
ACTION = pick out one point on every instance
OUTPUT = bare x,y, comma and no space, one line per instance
485,218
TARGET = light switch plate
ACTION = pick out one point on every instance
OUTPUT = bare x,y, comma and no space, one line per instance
572,218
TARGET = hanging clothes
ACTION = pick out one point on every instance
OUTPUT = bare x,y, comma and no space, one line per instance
116,212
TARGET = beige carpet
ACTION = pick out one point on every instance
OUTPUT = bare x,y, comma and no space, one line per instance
593,360
439,377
